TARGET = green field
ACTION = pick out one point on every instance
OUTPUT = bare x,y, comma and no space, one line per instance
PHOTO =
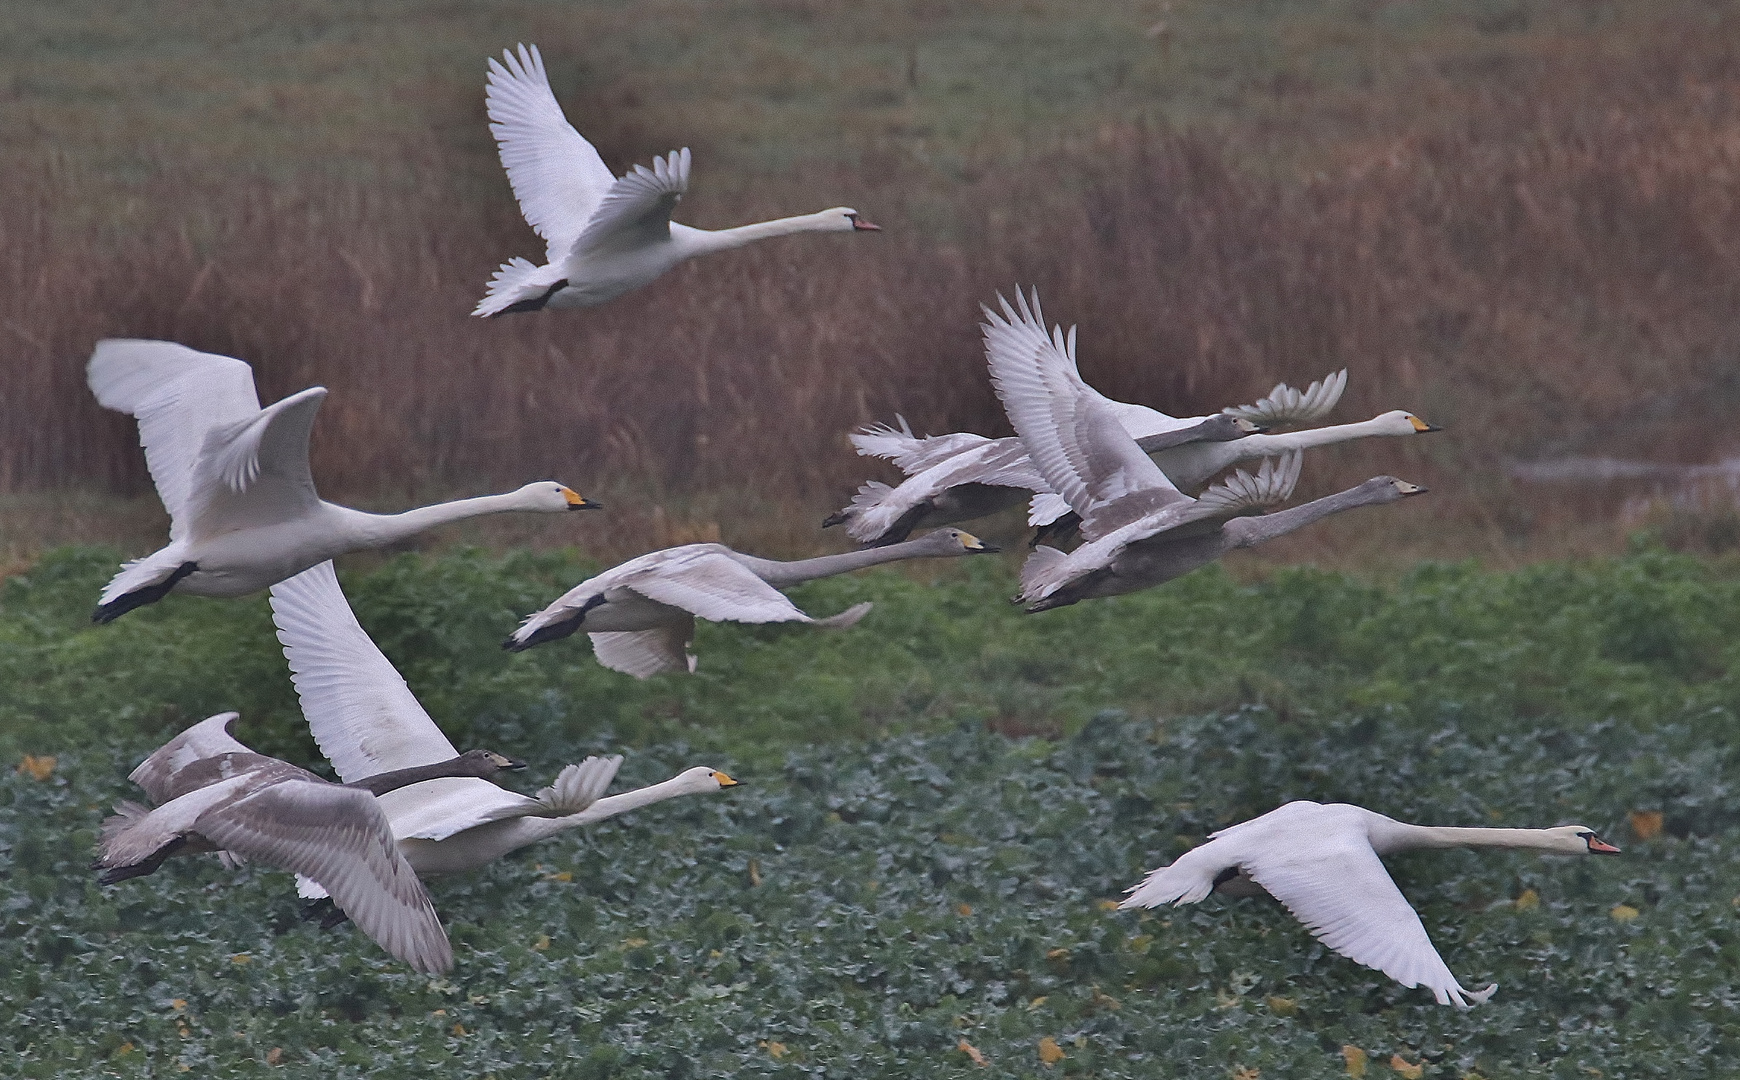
936,805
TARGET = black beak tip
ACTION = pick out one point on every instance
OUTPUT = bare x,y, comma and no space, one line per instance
989,549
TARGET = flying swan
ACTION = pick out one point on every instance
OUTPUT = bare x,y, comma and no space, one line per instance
1139,529
214,794
603,236
243,512
365,720
641,614
1323,863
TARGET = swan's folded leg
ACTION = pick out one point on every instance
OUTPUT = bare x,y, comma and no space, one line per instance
138,584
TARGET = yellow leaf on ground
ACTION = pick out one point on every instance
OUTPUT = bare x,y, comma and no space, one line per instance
1528,901
1283,1006
241,958
275,1055
777,1049
458,1028
1356,1059
178,1004
1049,1052
542,943
1624,912
755,873
964,909
1410,1071
972,1051
124,1048
1057,954
1036,1003
1108,905
565,875
1245,1074
37,768
1646,824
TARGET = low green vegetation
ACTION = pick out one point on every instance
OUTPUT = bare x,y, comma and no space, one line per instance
938,805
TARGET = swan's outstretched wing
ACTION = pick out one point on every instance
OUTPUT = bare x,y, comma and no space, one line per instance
209,738
645,653
1072,435
178,395
436,809
557,176
708,583
1242,493
1285,405
362,715
254,472
1336,885
339,838
910,452
636,212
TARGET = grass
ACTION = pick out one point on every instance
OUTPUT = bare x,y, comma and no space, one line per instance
937,803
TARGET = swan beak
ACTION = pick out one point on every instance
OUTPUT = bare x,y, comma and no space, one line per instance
974,544
578,502
833,519
513,763
860,225
725,781
1598,846
1410,489
1421,426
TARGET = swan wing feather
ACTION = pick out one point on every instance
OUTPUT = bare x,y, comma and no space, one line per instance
338,837
1284,405
254,472
912,453
439,808
1243,493
209,738
177,394
1072,435
644,653
636,212
363,716
556,175
710,584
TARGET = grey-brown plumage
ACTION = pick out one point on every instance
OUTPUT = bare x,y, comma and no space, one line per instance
214,794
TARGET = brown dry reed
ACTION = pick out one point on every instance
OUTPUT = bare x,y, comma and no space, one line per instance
1548,266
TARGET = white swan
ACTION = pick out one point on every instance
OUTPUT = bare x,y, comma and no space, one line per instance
214,794
1323,863
603,236
243,512
1140,530
641,614
365,720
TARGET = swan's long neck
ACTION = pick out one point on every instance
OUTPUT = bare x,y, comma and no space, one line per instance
1266,445
780,574
1406,837
381,783
379,530
708,240
1251,531
530,829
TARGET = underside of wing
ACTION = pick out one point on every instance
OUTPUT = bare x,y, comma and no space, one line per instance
1286,406
437,809
710,584
636,211
912,453
177,394
339,838
254,472
1338,887
1242,493
1072,436
556,175
645,653
362,714
207,739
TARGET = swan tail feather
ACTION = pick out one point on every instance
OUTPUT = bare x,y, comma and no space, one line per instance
519,285
846,619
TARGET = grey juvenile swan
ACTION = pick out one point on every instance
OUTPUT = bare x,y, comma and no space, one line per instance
1140,530
215,794
641,614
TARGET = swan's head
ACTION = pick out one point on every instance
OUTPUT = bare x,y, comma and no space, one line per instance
1399,422
845,219
486,763
953,541
1224,427
550,496
701,779
1580,840
1385,489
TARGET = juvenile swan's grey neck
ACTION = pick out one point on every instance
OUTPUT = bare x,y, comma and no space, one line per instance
780,574
1251,531
381,783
